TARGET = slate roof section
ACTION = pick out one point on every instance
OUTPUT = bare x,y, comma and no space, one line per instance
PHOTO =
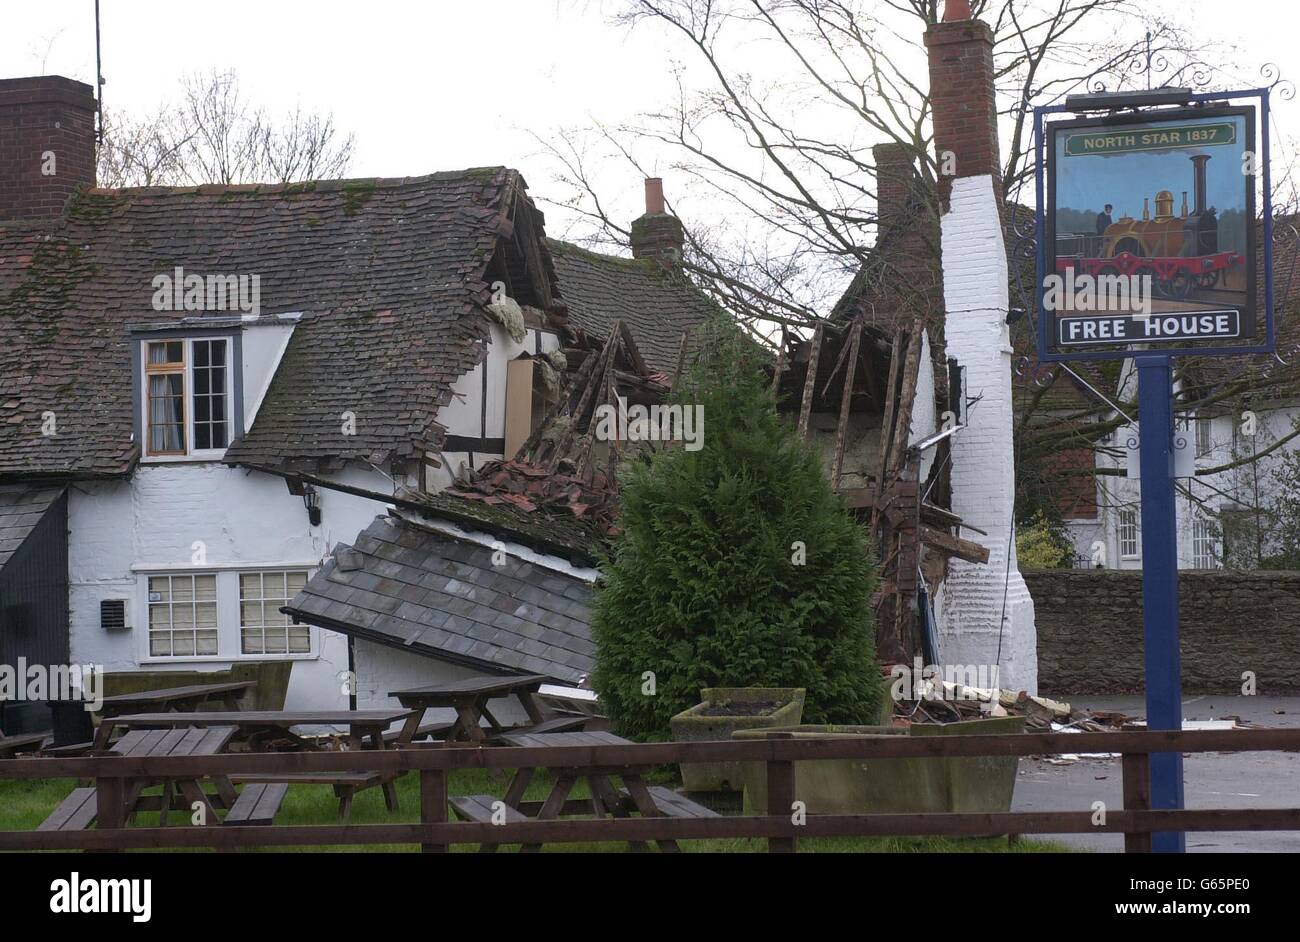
387,273
412,587
21,509
656,305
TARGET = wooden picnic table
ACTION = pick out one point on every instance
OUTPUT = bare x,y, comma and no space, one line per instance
193,741
258,725
469,698
649,801
182,699
79,810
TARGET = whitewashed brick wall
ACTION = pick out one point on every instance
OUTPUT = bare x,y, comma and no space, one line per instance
985,614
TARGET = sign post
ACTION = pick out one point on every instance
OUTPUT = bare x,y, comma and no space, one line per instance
1147,249
1160,585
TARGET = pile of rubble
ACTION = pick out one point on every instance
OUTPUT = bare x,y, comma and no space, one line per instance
946,702
529,488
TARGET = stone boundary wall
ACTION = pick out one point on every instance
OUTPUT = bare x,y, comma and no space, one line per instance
1090,630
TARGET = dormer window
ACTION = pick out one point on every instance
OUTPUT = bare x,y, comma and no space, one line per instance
187,397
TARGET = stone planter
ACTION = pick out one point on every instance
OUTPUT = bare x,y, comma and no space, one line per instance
899,786
701,723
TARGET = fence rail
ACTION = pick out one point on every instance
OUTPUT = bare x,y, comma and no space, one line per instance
1136,820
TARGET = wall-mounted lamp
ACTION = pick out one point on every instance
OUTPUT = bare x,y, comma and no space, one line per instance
311,500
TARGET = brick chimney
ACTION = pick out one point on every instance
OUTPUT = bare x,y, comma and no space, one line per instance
657,234
961,97
895,179
47,144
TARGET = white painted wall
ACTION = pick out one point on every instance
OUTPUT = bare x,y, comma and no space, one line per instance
382,669
984,612
236,520
121,531
464,414
264,341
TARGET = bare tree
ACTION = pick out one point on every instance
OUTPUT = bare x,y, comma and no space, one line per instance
777,107
214,135
787,153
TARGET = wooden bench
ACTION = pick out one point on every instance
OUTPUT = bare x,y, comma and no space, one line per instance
425,731
479,808
69,751
257,803
28,742
671,804
563,723
346,784
75,813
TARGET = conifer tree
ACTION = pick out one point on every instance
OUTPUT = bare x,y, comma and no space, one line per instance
736,565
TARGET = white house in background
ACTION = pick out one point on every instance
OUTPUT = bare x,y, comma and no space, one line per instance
227,381
1218,512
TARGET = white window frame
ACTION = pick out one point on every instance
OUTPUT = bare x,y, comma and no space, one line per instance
289,626
1204,548
1128,520
191,453
171,604
229,623
1204,430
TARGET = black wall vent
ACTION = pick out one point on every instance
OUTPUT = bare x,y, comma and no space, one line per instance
112,615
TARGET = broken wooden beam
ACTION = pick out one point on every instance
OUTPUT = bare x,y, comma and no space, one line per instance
810,382
906,401
945,542
887,420
946,519
846,400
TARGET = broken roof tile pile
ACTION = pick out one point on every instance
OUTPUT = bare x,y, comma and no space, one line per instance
530,488
387,274
561,471
658,305
410,586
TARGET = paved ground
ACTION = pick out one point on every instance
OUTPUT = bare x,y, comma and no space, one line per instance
1211,780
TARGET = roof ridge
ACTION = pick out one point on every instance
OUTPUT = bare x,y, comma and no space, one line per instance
324,185
648,265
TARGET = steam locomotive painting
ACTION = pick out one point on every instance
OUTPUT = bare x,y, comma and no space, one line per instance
1165,196
1179,250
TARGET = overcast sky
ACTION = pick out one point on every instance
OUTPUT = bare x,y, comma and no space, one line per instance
439,85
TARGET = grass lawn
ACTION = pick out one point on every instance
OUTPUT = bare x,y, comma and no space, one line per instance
25,803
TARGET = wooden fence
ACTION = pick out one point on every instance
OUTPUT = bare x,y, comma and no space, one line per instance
435,832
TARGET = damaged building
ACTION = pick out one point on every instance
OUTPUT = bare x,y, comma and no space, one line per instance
906,389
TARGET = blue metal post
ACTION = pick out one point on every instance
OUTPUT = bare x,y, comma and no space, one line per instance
1160,584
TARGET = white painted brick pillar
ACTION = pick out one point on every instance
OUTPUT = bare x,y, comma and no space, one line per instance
984,612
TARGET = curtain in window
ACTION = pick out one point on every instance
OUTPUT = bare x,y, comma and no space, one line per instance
166,412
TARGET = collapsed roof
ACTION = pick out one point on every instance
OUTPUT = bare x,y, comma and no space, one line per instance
439,591
389,279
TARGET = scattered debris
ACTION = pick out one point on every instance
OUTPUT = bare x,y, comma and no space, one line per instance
529,488
562,468
946,702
